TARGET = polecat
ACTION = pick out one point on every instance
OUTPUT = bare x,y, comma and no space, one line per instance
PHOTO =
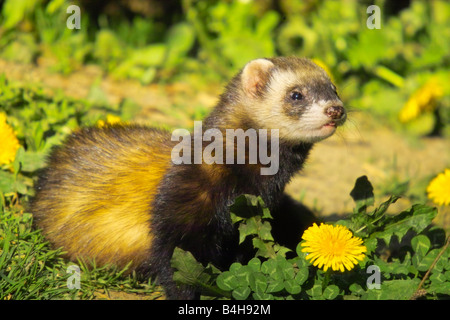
115,194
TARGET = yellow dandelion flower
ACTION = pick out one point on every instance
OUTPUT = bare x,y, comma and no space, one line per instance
110,119
332,247
439,189
424,99
9,142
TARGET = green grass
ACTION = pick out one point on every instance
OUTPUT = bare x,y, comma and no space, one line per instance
30,269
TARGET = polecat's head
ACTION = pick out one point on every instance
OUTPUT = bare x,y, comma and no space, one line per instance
293,95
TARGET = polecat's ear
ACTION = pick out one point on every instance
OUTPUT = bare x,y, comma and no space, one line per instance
255,75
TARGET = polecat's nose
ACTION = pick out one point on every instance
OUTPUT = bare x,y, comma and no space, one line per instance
335,112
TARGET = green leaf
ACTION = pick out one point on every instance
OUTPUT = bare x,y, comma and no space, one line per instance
243,275
331,292
440,288
316,291
438,277
393,267
425,263
258,282
298,251
227,281
275,286
281,250
33,161
188,270
255,264
262,296
292,286
420,244
394,290
356,289
264,231
247,206
443,263
382,208
265,211
247,229
269,267
286,268
265,249
17,164
10,183
302,275
254,226
6,181
417,218
235,267
241,293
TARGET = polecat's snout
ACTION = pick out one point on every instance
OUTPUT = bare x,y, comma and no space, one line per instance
336,113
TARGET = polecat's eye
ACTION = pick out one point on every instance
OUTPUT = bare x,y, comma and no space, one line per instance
295,95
